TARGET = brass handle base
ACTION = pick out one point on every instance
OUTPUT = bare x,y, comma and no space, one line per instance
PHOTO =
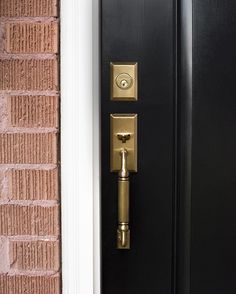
123,237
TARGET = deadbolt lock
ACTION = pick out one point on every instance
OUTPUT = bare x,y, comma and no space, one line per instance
124,82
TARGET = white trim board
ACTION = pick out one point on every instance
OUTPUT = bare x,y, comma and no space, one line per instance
80,171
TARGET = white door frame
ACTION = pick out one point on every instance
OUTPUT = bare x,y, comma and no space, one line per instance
80,160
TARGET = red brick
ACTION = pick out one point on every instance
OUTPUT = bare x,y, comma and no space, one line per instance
29,184
34,255
29,69
33,111
15,8
29,284
4,260
29,74
28,148
32,37
29,220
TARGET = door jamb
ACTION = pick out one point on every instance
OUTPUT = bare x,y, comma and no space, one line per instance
80,151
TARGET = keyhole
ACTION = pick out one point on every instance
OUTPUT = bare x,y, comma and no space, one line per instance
123,81
124,84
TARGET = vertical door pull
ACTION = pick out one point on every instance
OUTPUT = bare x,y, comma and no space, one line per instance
123,232
123,161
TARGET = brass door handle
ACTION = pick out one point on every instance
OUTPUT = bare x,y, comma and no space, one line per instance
123,161
123,232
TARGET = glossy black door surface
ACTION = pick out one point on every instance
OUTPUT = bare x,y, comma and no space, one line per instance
140,31
183,204
213,201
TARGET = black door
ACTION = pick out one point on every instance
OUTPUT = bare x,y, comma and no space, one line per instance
183,195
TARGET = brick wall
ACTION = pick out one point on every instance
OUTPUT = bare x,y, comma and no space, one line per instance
29,102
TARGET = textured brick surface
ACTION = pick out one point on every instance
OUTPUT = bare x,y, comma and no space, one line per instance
30,184
29,220
32,37
29,284
34,255
29,161
12,8
28,148
33,111
29,74
4,266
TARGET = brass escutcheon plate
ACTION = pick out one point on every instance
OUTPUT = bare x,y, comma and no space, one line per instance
123,126
124,83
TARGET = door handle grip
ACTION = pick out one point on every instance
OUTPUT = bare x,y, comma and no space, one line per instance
123,232
123,161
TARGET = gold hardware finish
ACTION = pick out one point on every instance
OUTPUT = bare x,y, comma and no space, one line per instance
123,160
123,126
123,237
123,137
123,232
124,83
